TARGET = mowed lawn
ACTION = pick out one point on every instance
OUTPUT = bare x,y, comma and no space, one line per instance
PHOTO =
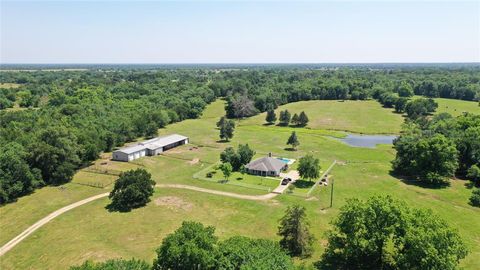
91,232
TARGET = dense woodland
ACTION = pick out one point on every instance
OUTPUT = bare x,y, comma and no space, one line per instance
58,121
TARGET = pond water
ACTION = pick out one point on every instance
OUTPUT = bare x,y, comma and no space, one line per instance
367,141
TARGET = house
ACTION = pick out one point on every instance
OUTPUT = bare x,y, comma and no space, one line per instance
150,147
266,166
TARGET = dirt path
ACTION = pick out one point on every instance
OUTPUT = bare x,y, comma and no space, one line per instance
37,225
5,248
222,193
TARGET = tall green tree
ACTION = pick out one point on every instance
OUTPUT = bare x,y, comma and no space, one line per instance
309,167
192,246
295,120
132,189
271,117
405,90
473,174
221,122
227,129
284,118
226,169
430,159
384,233
293,140
400,104
55,153
16,177
294,229
303,119
245,153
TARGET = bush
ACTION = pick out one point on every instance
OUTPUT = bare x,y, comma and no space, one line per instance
475,198
115,264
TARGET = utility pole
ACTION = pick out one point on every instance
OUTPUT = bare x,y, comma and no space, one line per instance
331,194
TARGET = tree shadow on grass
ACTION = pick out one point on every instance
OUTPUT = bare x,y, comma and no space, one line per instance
303,184
113,208
268,124
222,141
411,181
289,149
222,181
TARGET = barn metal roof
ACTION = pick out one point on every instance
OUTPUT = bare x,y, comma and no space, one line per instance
153,144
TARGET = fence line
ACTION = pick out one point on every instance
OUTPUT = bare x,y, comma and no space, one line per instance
199,176
320,179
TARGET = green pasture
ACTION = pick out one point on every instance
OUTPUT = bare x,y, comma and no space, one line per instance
91,232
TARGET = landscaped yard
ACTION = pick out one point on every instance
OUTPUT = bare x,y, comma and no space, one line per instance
91,232
251,180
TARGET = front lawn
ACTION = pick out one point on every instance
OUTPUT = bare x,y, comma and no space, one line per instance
242,179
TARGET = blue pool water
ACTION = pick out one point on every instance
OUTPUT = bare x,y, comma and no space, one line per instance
286,160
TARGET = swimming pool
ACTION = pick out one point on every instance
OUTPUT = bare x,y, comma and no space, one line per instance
289,161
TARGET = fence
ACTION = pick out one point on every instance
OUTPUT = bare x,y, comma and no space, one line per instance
321,177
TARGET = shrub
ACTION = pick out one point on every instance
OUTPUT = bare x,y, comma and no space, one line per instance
475,198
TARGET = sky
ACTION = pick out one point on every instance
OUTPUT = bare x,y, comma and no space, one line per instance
239,31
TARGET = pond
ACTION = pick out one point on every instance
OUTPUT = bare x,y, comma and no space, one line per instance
367,141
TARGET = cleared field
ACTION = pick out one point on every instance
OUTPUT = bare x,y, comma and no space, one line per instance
457,107
91,232
9,85
353,116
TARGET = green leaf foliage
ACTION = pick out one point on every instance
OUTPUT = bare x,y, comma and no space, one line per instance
384,233
294,229
192,246
132,189
114,264
243,253
309,167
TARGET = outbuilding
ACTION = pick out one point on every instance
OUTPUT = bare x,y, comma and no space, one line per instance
150,147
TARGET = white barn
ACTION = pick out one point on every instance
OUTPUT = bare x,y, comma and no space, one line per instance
150,147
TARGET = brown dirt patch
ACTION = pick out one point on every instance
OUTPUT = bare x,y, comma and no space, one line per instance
194,161
173,203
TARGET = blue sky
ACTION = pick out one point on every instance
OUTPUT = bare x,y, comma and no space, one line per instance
239,32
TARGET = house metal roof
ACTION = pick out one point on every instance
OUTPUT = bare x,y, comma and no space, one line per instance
266,164
153,144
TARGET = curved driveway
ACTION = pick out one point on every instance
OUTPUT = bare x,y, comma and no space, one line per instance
12,243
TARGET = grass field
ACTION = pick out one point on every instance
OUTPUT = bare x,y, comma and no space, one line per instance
456,107
91,232
345,115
